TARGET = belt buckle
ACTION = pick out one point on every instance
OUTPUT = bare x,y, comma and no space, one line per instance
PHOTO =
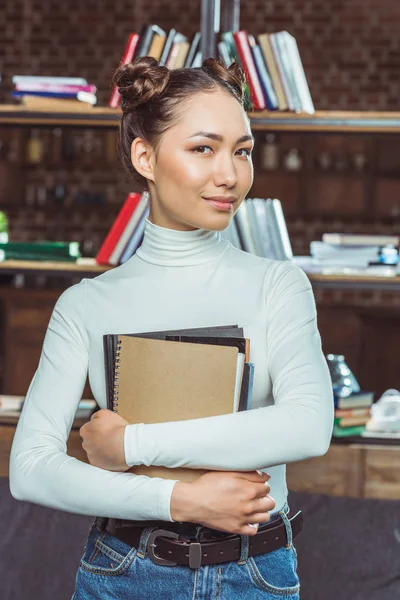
195,551
151,545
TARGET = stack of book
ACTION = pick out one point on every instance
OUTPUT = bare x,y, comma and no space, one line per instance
175,375
41,250
127,231
355,250
352,413
54,93
271,61
259,227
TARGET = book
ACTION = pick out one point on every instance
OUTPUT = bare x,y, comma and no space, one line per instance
178,52
362,399
127,57
117,228
110,346
278,230
26,79
56,88
247,61
352,412
281,64
44,247
282,42
347,431
157,43
360,239
80,96
137,212
351,421
136,237
13,255
270,61
194,48
244,229
56,104
167,46
263,226
381,434
299,74
187,385
271,100
230,45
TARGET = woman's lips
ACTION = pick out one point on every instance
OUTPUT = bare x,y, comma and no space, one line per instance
226,206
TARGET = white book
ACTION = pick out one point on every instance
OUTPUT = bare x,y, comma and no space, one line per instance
255,227
42,79
129,229
360,239
279,232
244,229
299,74
260,208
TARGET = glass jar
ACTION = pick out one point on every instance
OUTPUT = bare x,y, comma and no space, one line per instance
343,381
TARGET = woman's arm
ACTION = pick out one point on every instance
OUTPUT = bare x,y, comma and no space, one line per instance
40,470
297,427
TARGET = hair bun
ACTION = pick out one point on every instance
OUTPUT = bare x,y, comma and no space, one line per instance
140,81
233,75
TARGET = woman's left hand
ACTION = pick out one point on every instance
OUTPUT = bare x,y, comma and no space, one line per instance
103,440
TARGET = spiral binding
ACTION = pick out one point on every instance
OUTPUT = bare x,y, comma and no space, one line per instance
117,367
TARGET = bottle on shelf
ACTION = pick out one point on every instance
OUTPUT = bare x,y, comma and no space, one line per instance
292,160
34,148
269,153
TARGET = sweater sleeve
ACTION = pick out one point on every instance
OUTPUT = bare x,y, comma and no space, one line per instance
298,425
40,469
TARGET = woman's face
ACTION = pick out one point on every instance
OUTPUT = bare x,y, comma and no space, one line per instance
207,153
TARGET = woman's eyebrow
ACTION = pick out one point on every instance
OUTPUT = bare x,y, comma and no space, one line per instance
220,138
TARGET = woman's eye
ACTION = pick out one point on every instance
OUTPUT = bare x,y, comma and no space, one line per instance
247,150
201,147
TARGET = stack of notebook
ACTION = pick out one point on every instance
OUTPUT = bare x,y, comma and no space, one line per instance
162,376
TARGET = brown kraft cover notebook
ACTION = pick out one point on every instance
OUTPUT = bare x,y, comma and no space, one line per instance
160,381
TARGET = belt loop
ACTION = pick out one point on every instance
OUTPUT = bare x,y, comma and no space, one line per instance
144,538
101,523
283,513
244,549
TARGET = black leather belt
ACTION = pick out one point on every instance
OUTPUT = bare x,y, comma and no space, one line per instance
171,550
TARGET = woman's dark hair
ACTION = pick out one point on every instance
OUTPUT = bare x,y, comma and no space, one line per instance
152,96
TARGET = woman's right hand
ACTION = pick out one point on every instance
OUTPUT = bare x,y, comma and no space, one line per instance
231,500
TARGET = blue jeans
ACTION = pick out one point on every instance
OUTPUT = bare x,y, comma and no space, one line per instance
111,569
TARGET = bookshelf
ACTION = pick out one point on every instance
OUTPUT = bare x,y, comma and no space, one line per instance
318,280
321,121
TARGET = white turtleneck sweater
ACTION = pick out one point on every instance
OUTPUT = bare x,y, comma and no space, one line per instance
176,279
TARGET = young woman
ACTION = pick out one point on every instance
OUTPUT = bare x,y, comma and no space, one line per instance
187,138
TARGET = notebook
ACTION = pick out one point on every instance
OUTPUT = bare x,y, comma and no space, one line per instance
156,379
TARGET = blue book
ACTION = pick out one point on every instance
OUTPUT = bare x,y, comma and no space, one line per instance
17,94
251,381
136,238
263,75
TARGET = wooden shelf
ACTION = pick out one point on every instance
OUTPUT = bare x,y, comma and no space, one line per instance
13,267
70,269
336,121
102,116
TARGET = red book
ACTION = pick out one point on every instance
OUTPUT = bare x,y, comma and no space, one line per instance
246,58
130,48
117,228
